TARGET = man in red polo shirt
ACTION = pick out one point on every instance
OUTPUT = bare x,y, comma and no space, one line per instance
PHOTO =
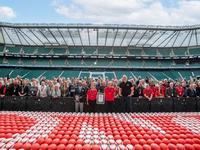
109,92
179,90
92,97
148,92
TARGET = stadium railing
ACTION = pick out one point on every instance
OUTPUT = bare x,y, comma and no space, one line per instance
66,104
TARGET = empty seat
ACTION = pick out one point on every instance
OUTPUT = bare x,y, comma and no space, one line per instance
150,52
14,50
150,63
90,50
59,51
75,50
58,62
180,52
119,51
29,50
104,50
136,52
194,51
42,62
43,51
165,52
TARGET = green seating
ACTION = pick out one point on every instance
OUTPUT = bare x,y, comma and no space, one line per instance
34,73
120,63
150,63
42,62
59,51
14,50
180,52
58,62
1,49
194,51
75,62
136,52
150,52
165,52
29,50
119,74
75,50
90,50
70,73
119,51
43,51
136,63
13,61
104,50
50,74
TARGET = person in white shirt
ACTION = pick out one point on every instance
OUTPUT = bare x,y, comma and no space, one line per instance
42,91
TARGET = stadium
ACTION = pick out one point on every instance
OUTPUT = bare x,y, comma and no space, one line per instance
81,50
90,86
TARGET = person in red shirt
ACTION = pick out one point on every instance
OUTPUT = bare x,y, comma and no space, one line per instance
92,97
148,92
2,89
179,90
159,91
109,92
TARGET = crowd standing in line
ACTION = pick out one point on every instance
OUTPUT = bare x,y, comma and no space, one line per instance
87,90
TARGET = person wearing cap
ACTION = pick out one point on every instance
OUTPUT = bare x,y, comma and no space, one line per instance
92,97
109,92
126,92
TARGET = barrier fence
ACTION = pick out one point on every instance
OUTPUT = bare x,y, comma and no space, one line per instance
66,104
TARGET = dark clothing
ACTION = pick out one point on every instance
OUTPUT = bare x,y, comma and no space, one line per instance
139,92
33,91
24,90
185,92
101,89
92,106
109,106
171,92
125,91
13,90
71,90
81,92
191,93
126,88
2,89
198,91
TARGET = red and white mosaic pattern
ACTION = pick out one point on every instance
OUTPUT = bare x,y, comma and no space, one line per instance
84,131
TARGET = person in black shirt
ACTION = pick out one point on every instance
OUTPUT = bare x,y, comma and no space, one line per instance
14,88
126,91
23,89
191,91
33,89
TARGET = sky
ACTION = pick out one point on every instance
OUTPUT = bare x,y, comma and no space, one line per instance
137,12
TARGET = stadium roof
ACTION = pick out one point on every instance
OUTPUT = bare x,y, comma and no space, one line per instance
99,35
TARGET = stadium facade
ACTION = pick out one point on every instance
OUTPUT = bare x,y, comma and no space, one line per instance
83,50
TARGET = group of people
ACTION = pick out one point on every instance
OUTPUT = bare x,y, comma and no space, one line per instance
86,91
